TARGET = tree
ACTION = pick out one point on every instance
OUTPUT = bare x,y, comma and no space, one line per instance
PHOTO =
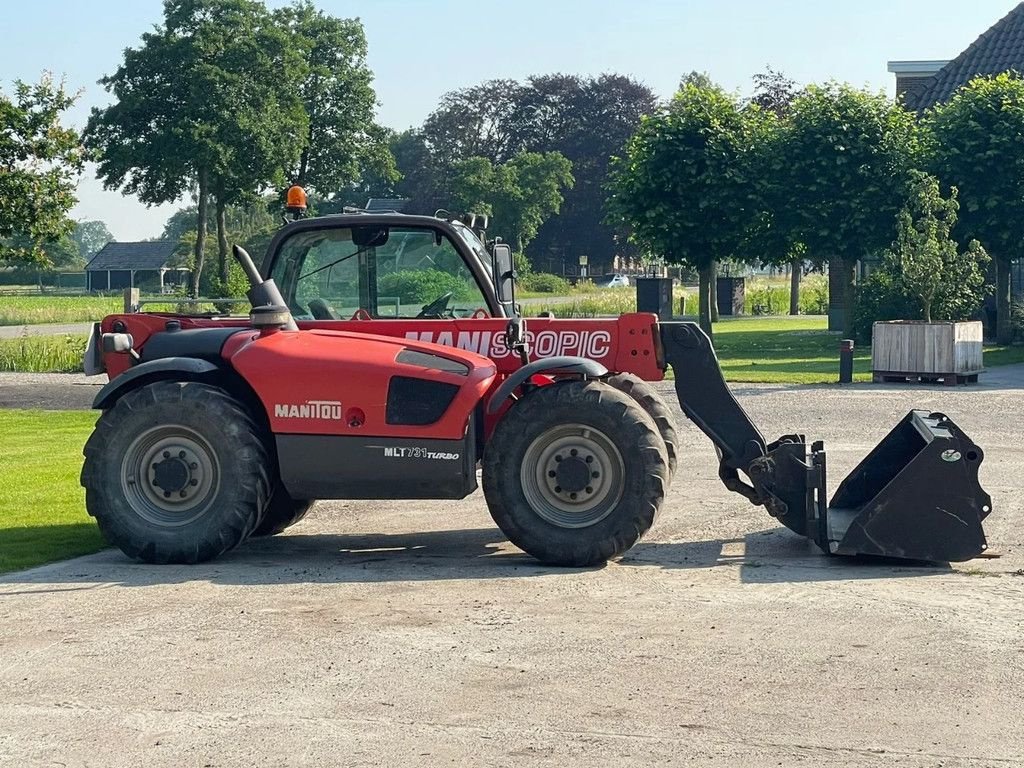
206,104
773,95
342,139
680,186
928,262
587,120
844,158
90,237
519,195
773,92
480,121
40,162
976,143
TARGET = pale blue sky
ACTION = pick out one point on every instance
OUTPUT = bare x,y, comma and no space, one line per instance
421,48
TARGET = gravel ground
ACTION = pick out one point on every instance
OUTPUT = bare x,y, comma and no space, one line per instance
49,391
410,633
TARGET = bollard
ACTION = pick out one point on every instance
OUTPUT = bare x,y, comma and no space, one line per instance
846,361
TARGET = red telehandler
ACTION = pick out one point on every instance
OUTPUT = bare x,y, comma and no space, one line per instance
343,384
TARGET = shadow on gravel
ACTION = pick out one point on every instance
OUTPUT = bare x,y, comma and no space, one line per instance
775,556
311,559
770,556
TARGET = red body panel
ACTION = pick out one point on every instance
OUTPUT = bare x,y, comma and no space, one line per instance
339,382
624,344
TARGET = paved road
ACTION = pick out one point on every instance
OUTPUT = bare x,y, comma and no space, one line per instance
50,329
411,634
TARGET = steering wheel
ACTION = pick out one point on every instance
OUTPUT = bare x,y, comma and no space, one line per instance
437,307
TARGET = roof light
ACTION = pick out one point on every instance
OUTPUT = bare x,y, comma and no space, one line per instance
295,202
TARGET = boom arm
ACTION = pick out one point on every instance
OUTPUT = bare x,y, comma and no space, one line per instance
916,495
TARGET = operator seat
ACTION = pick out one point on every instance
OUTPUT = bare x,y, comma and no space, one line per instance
321,310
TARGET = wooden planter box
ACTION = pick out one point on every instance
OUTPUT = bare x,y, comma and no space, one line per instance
906,350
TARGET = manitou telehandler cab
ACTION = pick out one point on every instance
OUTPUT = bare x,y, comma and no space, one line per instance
385,358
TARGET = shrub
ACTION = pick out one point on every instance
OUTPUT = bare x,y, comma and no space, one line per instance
814,295
881,297
43,354
544,282
423,285
1017,321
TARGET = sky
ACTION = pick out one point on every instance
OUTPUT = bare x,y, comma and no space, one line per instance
419,49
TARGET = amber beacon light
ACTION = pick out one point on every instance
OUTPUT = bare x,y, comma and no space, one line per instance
295,201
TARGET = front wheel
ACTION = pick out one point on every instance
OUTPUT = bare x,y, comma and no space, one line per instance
575,473
176,472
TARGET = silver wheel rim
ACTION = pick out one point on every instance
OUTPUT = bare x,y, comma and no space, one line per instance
572,476
170,475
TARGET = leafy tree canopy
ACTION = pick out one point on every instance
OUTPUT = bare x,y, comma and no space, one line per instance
519,195
976,143
342,142
90,237
40,162
927,261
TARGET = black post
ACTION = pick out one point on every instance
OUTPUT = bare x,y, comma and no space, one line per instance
846,361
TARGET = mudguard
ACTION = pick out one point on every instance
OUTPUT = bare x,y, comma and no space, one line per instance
163,368
552,365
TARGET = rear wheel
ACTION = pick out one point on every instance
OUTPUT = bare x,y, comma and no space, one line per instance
652,402
282,512
575,473
175,472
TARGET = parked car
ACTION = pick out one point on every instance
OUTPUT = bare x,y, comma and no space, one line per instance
612,281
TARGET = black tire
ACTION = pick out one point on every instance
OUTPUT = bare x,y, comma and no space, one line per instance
656,408
176,472
575,426
282,512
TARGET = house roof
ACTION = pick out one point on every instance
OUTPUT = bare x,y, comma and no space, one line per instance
998,49
151,254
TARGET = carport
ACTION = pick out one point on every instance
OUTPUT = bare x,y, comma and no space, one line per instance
122,265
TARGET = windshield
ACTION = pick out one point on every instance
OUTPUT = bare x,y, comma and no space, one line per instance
396,272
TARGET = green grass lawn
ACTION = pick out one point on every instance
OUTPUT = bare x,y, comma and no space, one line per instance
784,350
42,506
35,310
799,350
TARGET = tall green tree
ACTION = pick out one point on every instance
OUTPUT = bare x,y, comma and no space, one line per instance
342,140
587,120
976,143
844,160
206,104
89,237
40,162
681,188
519,195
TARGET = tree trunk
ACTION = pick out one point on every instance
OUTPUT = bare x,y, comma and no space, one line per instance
1004,329
200,247
840,294
707,275
713,289
222,245
796,269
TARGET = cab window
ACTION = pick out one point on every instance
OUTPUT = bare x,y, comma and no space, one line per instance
388,272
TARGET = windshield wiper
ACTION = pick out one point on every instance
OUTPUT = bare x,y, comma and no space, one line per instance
336,261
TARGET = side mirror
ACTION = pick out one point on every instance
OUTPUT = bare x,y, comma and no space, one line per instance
504,273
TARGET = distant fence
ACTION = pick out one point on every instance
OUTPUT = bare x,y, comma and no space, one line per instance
27,282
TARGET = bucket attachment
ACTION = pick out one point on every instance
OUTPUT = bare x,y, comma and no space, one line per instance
915,496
